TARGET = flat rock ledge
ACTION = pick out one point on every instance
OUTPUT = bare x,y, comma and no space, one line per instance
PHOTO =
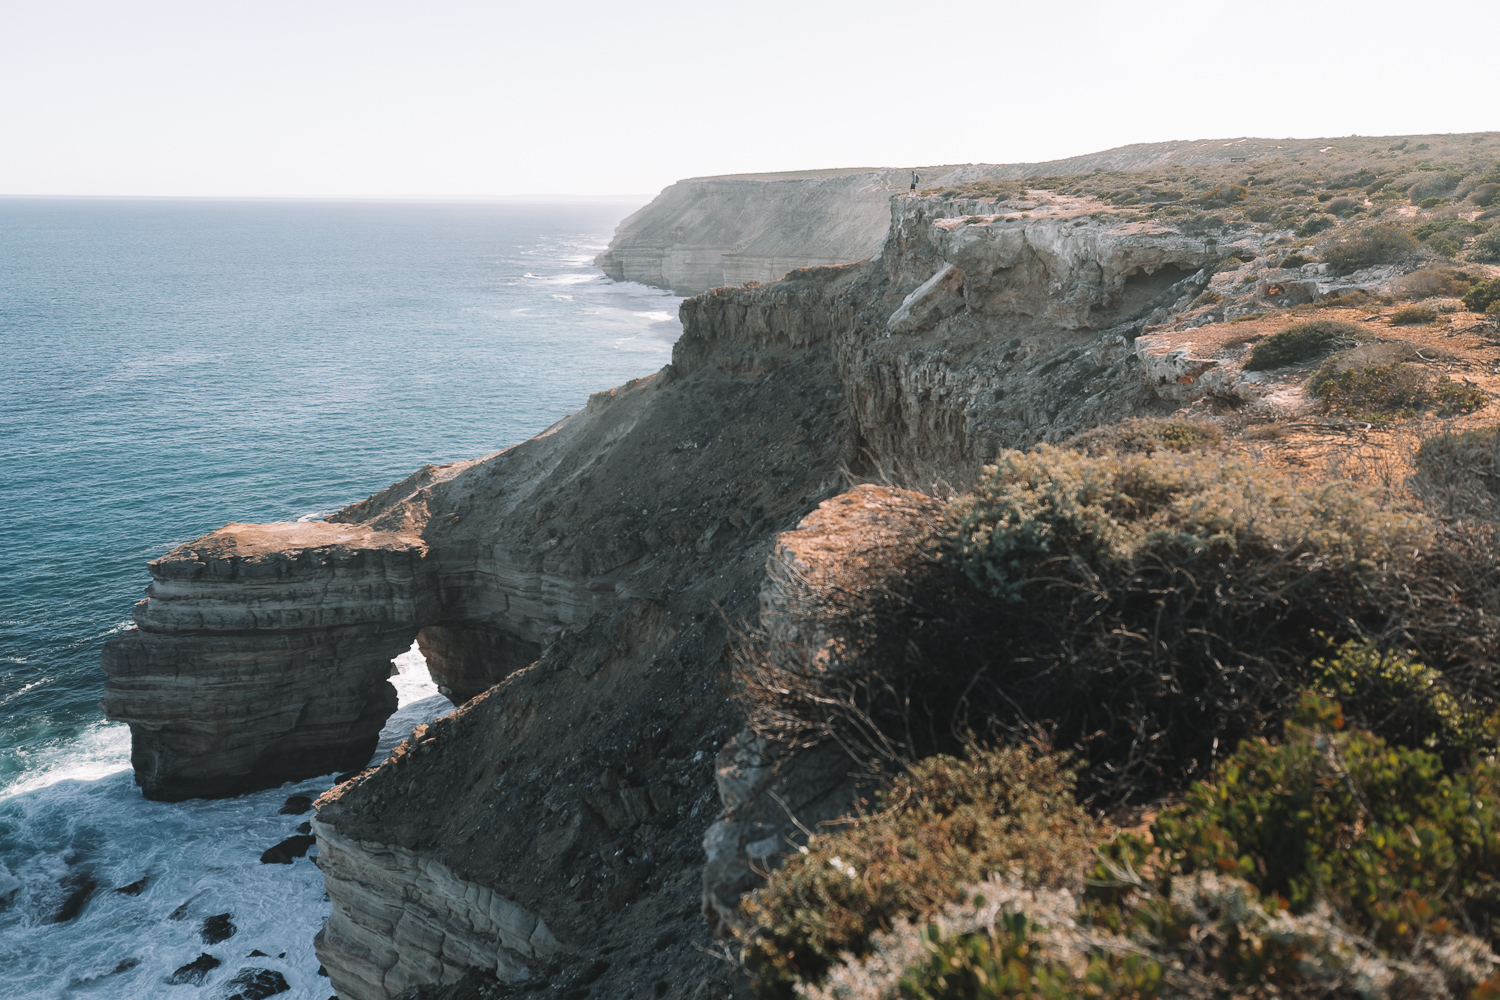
262,655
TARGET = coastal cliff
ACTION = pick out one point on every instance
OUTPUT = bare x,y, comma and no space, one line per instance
704,232
576,592
617,548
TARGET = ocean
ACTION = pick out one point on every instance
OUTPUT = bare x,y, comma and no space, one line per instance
172,365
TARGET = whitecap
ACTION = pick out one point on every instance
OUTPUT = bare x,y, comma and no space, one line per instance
77,817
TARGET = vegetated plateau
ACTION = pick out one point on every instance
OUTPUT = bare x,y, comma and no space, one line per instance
1093,594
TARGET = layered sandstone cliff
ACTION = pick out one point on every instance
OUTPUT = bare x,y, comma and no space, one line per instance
589,578
261,655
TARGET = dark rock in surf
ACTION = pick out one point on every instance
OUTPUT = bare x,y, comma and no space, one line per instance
257,984
194,972
218,928
295,805
135,888
288,850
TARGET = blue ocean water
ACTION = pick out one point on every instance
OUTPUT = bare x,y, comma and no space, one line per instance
168,366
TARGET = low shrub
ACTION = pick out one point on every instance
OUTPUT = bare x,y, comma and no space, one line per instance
1486,248
1413,316
1143,610
1433,202
1434,283
1343,206
946,824
1380,393
1485,195
1145,435
1482,296
1011,960
1398,696
1326,862
1316,224
1381,244
1396,846
1434,186
1303,342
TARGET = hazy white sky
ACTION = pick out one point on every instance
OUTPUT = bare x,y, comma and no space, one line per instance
448,98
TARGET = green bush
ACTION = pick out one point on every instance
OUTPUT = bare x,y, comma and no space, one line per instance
1482,296
1379,832
1377,245
1303,342
1487,248
1399,697
946,824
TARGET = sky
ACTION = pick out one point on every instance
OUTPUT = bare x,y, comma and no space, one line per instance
454,99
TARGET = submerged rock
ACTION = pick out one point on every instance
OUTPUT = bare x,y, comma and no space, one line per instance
135,888
77,888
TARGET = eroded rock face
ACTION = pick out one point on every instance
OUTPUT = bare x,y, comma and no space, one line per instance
262,655
818,574
401,919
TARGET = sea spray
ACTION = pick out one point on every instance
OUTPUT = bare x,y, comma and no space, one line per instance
140,878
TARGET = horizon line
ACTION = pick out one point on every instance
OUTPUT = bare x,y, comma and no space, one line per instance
470,199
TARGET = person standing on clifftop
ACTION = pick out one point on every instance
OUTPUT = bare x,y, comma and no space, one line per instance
914,179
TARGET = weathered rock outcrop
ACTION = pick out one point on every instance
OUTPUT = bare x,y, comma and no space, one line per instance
593,573
262,653
709,231
816,575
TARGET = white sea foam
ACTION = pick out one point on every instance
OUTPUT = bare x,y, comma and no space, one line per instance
78,816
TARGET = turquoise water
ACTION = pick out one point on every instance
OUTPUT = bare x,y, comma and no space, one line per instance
173,365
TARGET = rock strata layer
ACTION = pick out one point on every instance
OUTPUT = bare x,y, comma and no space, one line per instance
262,655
